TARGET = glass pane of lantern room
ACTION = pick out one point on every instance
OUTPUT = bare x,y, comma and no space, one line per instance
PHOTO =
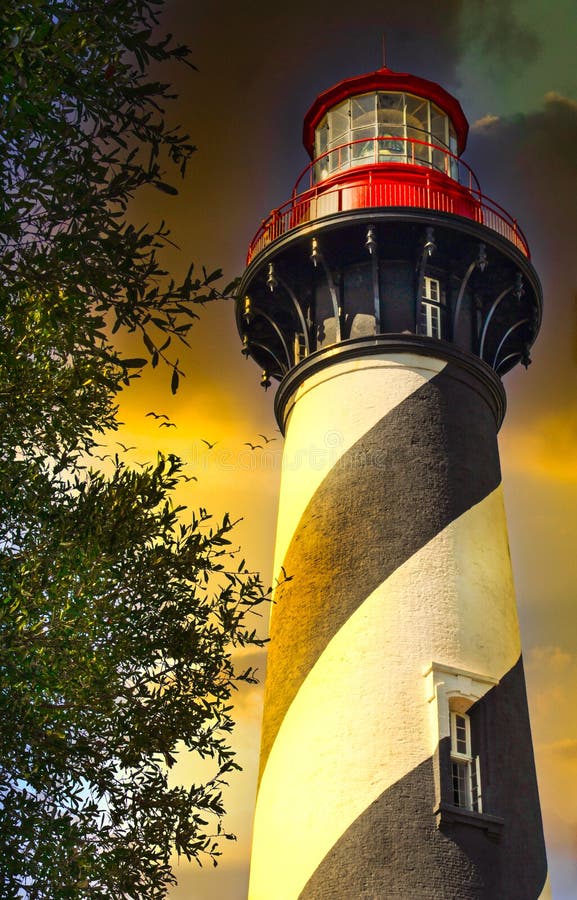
337,159
418,147
341,158
392,144
321,141
441,161
439,122
452,139
440,139
339,125
418,115
390,109
363,151
363,111
321,138
453,147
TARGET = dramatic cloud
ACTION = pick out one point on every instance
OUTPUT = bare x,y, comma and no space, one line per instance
552,97
487,121
528,162
492,26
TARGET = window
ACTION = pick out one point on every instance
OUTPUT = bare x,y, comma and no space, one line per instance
430,323
453,695
432,289
465,771
430,320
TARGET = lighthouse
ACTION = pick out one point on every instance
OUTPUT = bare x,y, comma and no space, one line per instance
389,296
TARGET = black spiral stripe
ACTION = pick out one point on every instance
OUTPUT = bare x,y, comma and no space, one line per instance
395,851
419,468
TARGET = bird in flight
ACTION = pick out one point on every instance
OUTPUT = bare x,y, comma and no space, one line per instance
167,425
266,439
285,577
253,446
208,444
124,447
157,415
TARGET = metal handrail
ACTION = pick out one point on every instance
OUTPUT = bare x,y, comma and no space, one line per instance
471,181
304,207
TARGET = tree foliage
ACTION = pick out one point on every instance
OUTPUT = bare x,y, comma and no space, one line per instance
116,627
83,129
119,609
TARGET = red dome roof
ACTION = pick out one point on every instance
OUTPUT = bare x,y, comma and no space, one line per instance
384,80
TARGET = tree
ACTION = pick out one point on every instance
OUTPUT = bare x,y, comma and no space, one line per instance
119,608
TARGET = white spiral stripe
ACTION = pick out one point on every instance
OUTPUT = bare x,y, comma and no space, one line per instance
361,720
322,428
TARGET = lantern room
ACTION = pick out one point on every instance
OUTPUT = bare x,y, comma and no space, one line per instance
385,117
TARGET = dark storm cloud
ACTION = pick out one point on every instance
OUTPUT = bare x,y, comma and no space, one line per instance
532,159
265,63
528,163
327,40
493,27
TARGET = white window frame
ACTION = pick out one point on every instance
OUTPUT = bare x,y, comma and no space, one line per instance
431,314
459,754
432,289
431,303
450,690
467,764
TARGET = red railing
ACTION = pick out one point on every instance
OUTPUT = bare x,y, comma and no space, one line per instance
375,189
386,149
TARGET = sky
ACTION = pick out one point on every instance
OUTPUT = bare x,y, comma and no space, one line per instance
260,66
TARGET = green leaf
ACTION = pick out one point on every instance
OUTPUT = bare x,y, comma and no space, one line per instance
165,188
137,363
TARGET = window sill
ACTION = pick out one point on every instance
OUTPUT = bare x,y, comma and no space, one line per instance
453,815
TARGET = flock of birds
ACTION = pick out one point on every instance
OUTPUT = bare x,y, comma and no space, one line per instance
252,446
210,444
266,440
166,423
